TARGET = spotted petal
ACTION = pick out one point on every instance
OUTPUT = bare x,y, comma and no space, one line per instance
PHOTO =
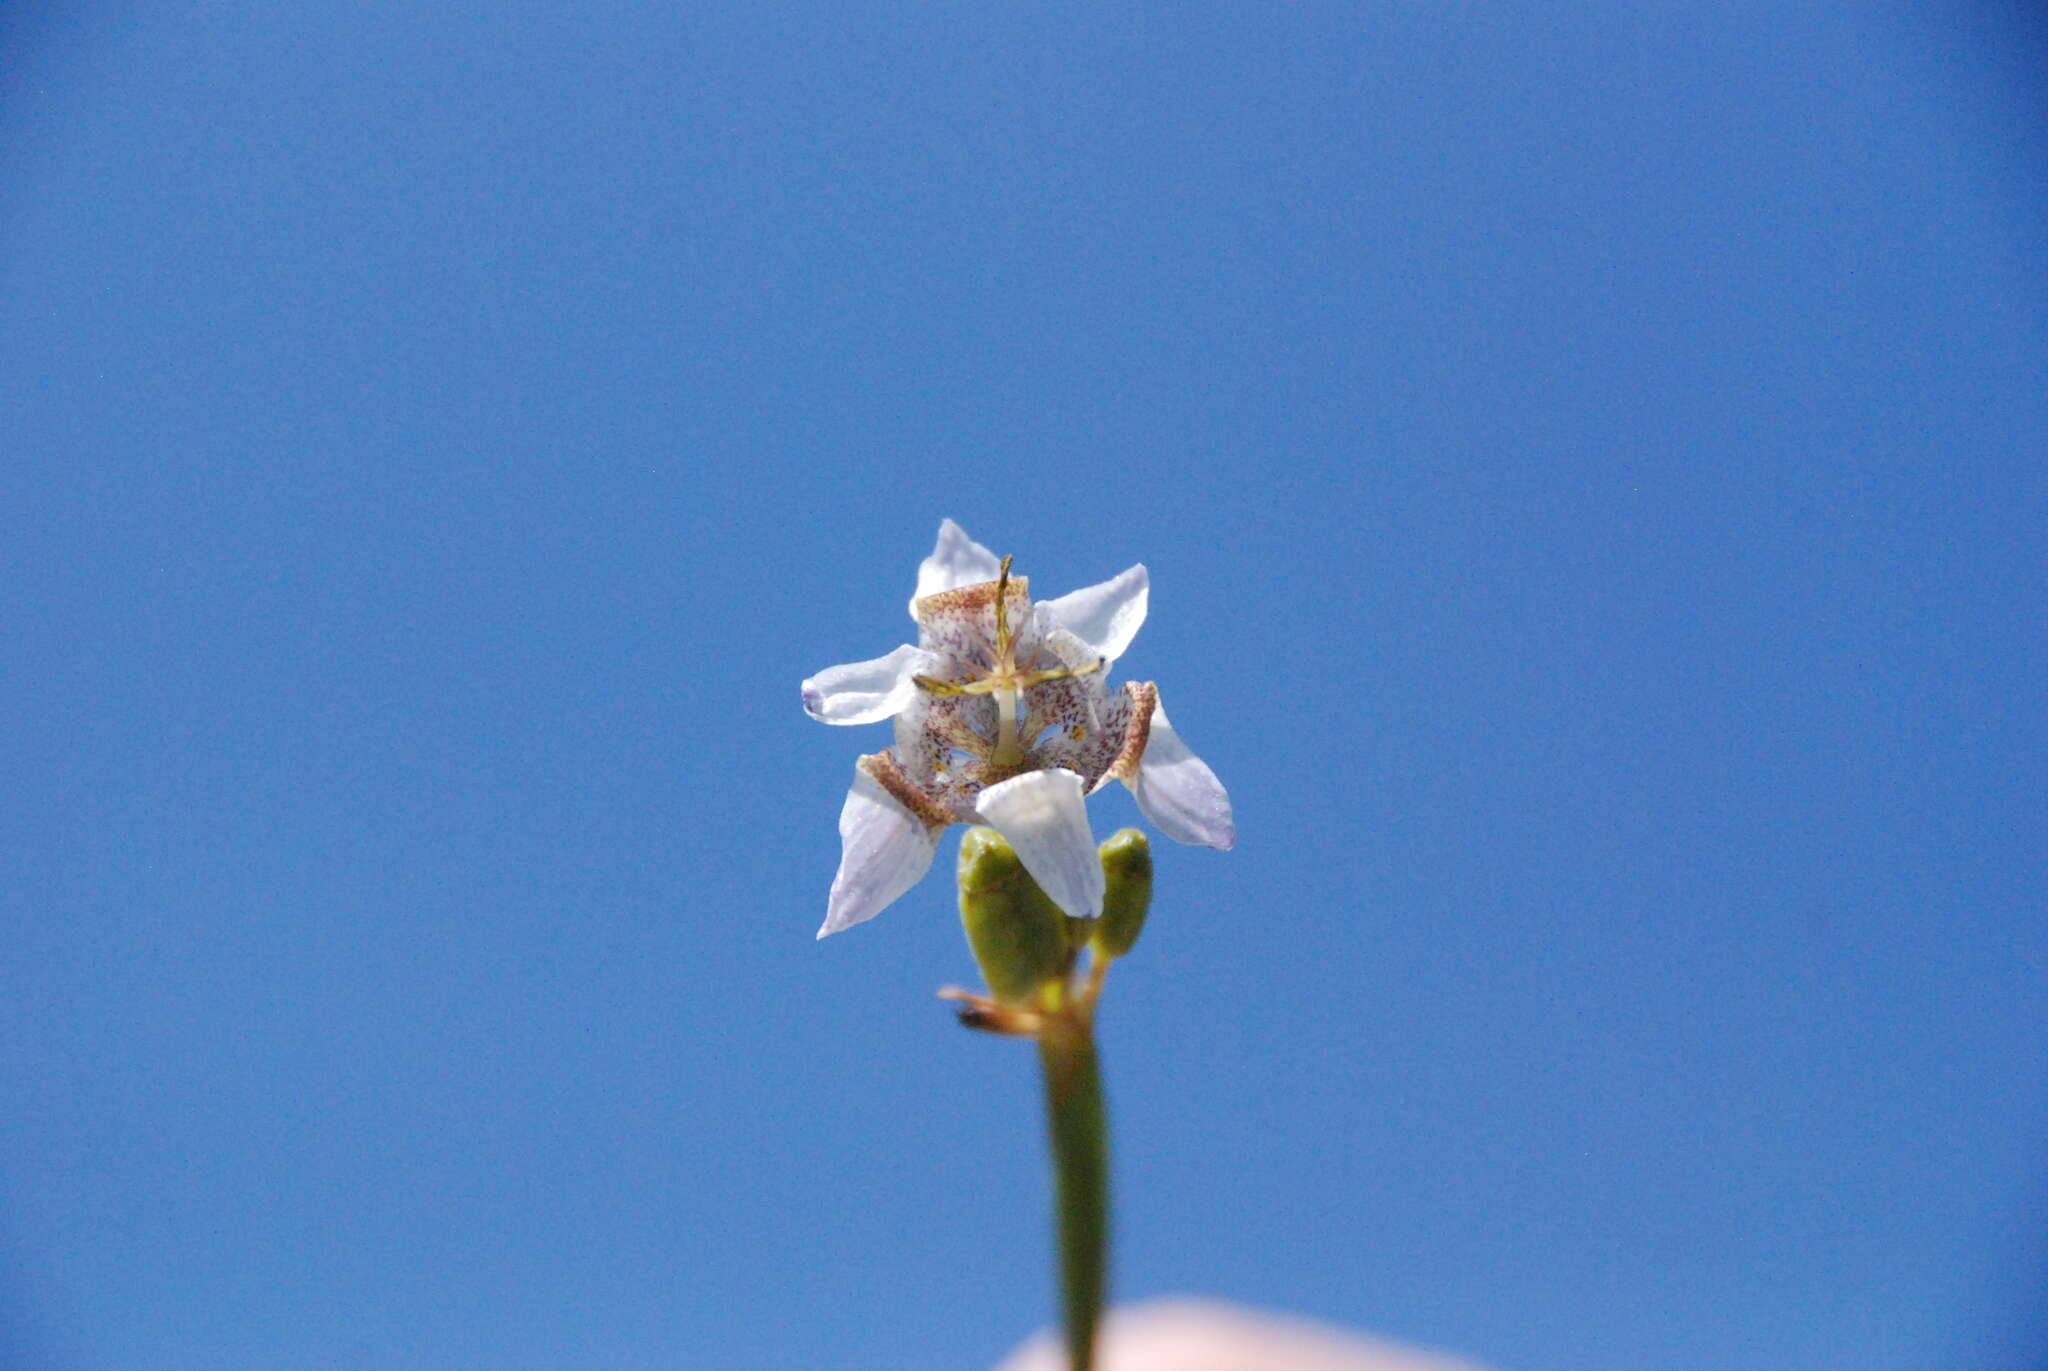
865,692
1103,618
957,560
1043,816
884,850
1178,792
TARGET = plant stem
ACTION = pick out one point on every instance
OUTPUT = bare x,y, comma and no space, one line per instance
1078,1127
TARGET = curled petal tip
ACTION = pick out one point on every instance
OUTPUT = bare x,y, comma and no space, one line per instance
864,692
884,850
1179,793
956,560
1104,617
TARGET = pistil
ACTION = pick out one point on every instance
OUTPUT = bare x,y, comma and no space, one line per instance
1008,751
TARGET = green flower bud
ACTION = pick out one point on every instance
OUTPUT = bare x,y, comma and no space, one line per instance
1018,934
1127,865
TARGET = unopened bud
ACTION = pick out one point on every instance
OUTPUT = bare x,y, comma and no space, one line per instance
1018,934
1127,870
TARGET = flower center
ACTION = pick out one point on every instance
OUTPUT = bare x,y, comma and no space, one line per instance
1006,681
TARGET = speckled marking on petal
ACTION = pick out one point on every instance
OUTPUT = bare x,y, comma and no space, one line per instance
1060,704
1143,697
890,775
962,622
1095,734
920,749
966,722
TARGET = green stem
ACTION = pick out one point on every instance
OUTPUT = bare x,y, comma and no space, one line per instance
1079,1129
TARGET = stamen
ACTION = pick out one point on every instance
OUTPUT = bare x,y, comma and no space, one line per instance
1059,673
932,685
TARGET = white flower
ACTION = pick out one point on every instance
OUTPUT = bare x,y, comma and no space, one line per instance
1003,717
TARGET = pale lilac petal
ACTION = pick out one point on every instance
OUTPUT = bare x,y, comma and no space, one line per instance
957,560
1044,817
865,692
883,851
1104,617
1178,792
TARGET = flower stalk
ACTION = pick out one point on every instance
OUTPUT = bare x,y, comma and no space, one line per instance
1031,955
1077,1125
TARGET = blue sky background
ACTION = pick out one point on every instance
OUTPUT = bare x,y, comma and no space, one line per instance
1590,461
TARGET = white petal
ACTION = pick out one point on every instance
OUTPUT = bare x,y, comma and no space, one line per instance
1043,816
883,850
865,692
956,560
1178,792
1105,617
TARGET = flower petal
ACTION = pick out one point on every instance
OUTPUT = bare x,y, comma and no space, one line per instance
1178,792
865,692
958,626
1104,617
956,560
883,851
1044,817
